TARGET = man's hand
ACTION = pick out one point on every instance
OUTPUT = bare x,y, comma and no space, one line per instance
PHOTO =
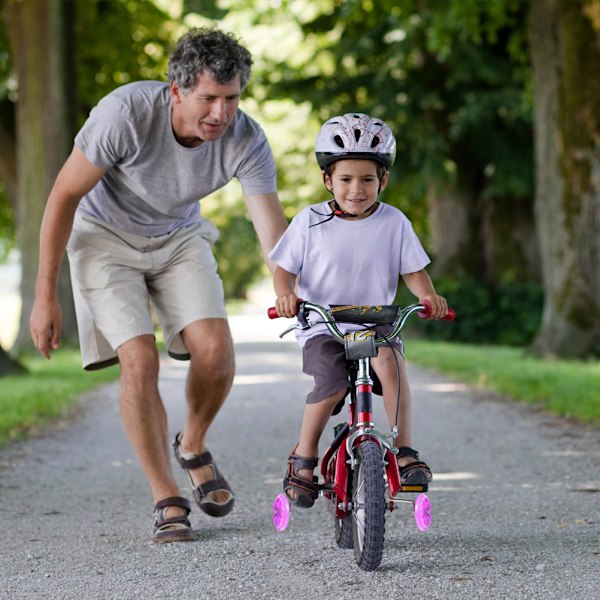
45,324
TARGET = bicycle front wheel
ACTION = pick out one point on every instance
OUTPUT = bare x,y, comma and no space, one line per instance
343,533
368,505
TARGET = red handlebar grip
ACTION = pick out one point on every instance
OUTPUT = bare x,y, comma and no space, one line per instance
424,314
426,309
273,314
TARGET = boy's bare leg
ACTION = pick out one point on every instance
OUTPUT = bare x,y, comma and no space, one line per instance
386,365
314,422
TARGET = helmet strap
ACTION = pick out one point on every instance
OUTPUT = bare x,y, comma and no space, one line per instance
338,212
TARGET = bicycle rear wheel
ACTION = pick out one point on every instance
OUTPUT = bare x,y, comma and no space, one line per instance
368,506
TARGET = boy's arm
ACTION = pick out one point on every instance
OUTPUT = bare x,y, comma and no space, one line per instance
420,284
287,301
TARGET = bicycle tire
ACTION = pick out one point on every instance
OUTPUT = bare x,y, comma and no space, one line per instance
344,536
368,506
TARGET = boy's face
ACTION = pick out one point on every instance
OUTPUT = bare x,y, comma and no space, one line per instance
355,185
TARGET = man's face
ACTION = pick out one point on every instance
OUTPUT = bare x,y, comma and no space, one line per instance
204,113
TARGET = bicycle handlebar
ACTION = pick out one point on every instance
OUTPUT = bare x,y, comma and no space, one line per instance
423,310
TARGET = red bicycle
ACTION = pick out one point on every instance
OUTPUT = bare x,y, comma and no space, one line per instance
360,478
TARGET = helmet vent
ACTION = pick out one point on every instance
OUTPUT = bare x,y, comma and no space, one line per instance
375,142
338,140
357,134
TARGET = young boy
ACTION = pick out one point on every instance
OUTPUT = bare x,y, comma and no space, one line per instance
350,250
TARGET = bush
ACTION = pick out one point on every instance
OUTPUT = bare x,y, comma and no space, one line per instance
507,314
238,255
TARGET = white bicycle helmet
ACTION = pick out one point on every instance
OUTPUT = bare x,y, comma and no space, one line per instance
355,135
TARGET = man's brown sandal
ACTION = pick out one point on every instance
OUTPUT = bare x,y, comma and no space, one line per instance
202,491
304,491
172,529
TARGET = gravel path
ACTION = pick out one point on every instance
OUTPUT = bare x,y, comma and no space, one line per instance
515,501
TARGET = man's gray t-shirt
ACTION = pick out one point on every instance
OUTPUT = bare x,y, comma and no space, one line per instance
153,184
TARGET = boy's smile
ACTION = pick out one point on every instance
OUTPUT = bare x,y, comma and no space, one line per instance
355,186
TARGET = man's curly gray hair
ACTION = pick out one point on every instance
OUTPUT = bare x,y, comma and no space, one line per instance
208,50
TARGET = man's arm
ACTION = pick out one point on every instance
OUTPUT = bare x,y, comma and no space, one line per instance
268,220
77,177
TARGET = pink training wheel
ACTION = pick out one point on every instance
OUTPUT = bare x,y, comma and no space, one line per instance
423,512
281,512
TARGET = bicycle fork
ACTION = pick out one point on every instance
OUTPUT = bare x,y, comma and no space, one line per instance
360,426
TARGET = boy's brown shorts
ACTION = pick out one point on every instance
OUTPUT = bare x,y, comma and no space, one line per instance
324,358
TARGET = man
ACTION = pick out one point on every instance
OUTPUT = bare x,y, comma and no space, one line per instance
125,207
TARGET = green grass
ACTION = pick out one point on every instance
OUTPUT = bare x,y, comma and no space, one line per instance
45,392
566,388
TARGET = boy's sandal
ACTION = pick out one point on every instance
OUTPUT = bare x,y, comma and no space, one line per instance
414,473
172,529
203,492
305,491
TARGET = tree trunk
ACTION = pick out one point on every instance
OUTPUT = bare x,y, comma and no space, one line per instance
453,232
491,240
39,33
8,165
566,63
8,366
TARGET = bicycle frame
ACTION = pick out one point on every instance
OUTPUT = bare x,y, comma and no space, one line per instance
360,425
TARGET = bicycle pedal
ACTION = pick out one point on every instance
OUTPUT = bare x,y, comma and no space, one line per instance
414,488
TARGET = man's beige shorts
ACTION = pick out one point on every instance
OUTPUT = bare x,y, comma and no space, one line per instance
117,275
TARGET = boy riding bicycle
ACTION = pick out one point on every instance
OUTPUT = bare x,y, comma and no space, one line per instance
351,250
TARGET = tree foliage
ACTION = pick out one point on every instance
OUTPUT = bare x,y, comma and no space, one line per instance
117,42
451,78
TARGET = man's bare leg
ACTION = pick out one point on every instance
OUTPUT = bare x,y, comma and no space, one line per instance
143,414
209,380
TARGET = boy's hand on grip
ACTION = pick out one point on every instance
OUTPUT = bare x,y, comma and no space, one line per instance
287,305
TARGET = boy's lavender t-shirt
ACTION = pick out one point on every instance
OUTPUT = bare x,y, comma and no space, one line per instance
342,261
153,183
